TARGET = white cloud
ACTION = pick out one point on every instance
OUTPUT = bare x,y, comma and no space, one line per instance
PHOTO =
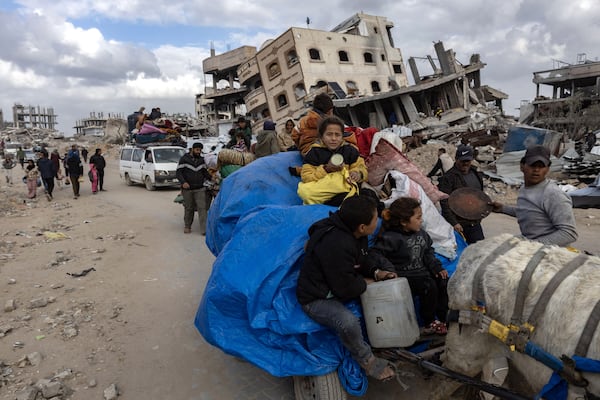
48,58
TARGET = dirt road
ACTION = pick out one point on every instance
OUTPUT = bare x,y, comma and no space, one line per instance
133,315
128,322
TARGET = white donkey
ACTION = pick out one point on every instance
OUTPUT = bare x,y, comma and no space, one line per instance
508,275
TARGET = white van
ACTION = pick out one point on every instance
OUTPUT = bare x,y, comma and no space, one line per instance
154,166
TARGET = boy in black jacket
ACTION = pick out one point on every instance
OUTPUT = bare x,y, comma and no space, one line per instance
334,272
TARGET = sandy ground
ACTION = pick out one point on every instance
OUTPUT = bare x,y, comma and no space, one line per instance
128,322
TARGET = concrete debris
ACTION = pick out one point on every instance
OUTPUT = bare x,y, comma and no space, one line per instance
38,303
5,329
10,305
34,359
29,393
111,392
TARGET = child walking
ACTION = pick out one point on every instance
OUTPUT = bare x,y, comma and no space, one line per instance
403,247
334,272
32,179
93,175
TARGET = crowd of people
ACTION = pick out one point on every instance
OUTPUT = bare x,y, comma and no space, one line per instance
338,263
51,169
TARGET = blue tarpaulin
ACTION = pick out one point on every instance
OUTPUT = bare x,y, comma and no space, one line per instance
257,227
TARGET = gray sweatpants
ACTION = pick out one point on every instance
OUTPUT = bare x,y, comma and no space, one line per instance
194,199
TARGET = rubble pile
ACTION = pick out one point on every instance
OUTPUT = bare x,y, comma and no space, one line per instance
479,127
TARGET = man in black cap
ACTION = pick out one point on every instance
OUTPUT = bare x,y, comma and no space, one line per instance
192,173
544,212
462,174
98,160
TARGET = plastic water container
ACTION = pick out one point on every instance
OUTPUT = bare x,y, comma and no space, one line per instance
390,314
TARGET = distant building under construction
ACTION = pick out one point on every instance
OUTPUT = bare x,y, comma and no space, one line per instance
574,106
34,117
95,124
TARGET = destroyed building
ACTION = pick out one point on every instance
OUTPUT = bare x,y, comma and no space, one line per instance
34,117
95,124
357,64
355,59
574,105
453,88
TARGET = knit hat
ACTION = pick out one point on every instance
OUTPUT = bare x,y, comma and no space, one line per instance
197,145
269,125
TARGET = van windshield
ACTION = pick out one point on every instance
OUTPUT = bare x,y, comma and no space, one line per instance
168,155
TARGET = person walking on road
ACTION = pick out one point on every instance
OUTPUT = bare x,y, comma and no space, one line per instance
192,173
75,168
84,154
8,164
31,179
93,175
47,172
21,157
98,160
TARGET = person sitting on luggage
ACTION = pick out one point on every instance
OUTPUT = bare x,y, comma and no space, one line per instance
323,179
406,249
334,272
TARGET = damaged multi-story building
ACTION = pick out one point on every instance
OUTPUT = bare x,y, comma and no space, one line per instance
574,105
95,124
356,62
34,117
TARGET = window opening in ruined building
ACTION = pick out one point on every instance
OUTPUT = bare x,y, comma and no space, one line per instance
397,68
382,57
300,90
343,56
292,58
314,54
375,86
318,85
258,84
368,57
282,100
389,33
376,30
274,70
351,88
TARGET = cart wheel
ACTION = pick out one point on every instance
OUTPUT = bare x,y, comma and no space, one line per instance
149,184
128,180
324,387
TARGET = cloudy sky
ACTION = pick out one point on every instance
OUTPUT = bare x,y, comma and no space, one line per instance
113,56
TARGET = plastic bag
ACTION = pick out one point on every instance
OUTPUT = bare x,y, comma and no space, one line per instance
67,180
